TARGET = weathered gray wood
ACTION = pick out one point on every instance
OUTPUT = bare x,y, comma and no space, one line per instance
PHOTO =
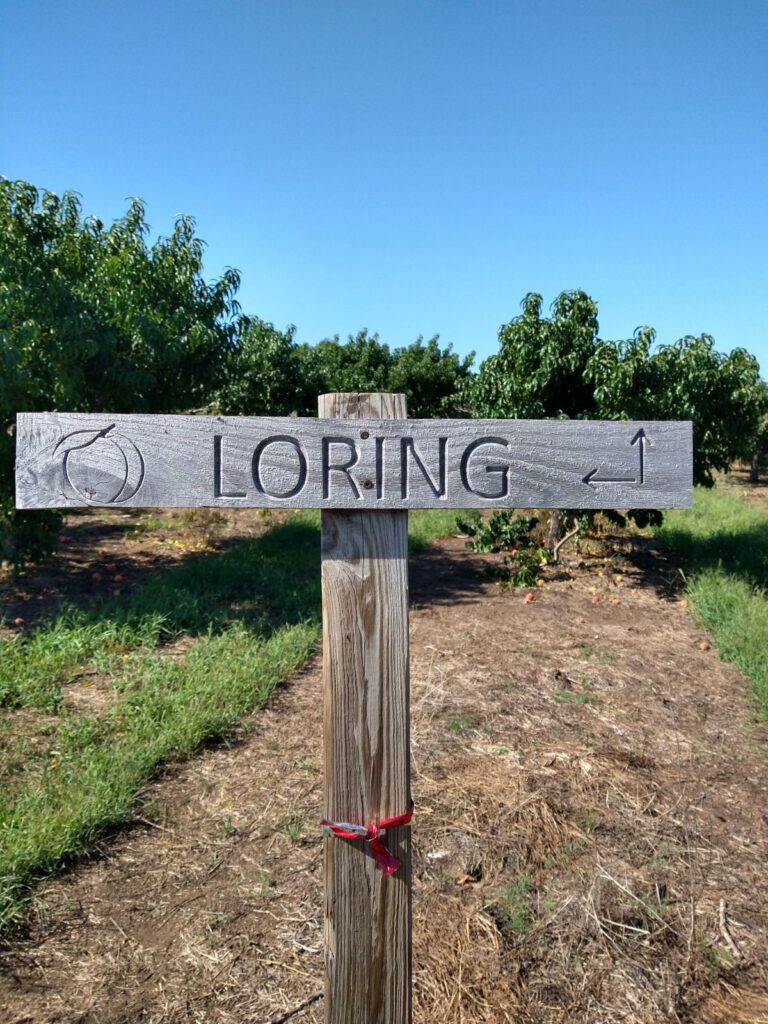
367,747
70,460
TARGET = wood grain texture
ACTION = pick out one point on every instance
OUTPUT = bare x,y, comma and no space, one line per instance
367,748
71,460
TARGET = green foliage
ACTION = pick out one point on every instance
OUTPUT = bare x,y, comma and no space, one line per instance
558,366
513,908
502,532
363,363
24,536
538,371
722,394
515,535
267,374
94,318
760,441
724,543
432,379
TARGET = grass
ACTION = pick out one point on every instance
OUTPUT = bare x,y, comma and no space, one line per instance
147,523
723,541
33,669
575,697
252,617
424,525
255,583
294,824
168,711
512,908
460,724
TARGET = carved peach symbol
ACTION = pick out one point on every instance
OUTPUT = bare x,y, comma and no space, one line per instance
101,467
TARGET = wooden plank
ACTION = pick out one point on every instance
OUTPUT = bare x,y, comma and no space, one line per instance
70,460
367,747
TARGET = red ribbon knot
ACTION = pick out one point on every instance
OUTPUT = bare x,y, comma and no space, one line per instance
372,834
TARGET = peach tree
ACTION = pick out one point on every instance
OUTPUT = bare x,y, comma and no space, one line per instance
95,318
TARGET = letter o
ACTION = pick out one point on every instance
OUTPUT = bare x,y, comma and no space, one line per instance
261,448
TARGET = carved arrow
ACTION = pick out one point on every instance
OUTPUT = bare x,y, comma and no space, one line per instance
640,439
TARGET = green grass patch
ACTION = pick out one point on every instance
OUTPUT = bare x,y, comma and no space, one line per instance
274,578
460,724
575,697
722,531
253,615
723,541
148,523
512,908
168,711
427,524
33,669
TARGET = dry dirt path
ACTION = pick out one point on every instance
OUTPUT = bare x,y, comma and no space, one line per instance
590,837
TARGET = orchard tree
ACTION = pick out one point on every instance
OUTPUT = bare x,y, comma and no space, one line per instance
362,363
722,394
539,368
268,374
558,366
95,318
539,372
432,378
760,441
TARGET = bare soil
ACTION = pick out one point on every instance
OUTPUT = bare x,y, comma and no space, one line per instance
590,836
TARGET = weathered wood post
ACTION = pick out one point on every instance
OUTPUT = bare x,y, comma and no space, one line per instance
367,745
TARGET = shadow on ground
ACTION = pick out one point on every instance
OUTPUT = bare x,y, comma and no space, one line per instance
742,552
262,581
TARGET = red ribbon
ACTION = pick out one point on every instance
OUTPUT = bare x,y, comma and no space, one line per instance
372,834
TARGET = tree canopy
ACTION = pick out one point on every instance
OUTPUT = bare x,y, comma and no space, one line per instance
721,394
270,372
96,318
558,366
539,369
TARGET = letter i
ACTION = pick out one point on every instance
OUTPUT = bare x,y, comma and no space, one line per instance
379,466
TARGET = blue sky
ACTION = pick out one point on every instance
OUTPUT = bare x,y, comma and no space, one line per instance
416,168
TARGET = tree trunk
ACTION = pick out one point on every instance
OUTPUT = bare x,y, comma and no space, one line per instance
555,530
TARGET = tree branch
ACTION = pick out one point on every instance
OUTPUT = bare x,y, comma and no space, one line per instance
297,1009
567,537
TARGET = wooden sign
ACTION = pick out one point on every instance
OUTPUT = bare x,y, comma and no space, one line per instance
365,465
77,459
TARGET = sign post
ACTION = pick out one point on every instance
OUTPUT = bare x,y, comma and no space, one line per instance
367,748
364,464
